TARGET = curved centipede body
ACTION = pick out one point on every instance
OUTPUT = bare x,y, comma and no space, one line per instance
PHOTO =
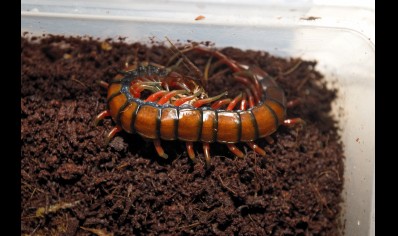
178,108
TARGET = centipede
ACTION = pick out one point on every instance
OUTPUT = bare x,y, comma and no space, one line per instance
177,107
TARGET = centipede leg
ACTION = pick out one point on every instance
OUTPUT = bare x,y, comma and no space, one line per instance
159,149
101,116
220,103
251,85
112,133
201,102
269,139
169,95
250,98
293,122
256,148
243,103
234,102
206,151
103,84
183,100
235,150
190,150
293,103
155,96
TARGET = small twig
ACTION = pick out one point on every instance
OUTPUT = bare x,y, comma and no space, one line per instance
31,187
292,68
78,81
327,171
320,198
189,226
98,232
302,83
34,231
254,221
228,188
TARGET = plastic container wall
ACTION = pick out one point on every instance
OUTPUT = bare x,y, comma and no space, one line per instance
341,39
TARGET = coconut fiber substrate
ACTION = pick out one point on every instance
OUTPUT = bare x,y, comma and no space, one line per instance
74,184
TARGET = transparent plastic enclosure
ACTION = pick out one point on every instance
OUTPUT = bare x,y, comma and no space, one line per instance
340,39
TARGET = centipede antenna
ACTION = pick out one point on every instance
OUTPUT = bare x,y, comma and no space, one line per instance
175,55
175,66
190,64
205,77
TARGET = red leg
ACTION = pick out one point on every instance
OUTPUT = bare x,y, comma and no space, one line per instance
220,103
251,98
269,139
190,150
134,88
251,75
256,148
243,103
101,116
159,149
201,102
103,84
206,152
234,102
169,95
183,100
155,96
293,122
256,93
293,103
235,150
112,133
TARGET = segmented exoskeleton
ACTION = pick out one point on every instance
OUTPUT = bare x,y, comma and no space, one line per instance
178,107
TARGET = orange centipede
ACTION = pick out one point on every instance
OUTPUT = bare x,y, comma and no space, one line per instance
178,107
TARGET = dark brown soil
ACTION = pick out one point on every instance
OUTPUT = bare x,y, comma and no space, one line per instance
74,185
